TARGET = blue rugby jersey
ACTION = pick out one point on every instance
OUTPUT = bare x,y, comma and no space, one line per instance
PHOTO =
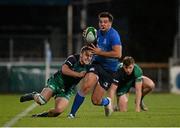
105,43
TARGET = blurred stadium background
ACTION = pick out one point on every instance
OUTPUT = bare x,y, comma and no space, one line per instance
149,32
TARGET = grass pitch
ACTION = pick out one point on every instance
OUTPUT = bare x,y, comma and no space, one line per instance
164,111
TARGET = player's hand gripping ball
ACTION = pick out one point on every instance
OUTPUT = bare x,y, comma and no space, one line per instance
90,35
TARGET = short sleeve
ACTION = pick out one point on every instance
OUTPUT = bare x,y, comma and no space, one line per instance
138,73
70,61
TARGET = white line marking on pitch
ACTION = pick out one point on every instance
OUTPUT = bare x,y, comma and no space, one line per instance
20,115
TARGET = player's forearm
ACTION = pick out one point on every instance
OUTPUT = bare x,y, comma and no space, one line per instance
138,89
67,71
138,100
71,73
138,105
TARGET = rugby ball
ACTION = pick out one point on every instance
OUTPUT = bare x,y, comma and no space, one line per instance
90,35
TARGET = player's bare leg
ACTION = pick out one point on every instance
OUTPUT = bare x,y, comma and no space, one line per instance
61,104
148,86
40,98
89,81
112,94
86,85
123,102
97,95
97,99
45,94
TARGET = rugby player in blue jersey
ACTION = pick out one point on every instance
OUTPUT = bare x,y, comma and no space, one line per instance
106,59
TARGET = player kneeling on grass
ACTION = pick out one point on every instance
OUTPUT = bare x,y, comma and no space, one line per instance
130,75
62,83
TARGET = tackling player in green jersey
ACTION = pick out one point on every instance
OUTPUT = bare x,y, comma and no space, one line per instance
62,84
130,75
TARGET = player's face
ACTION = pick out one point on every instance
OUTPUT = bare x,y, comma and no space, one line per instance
128,69
104,24
86,57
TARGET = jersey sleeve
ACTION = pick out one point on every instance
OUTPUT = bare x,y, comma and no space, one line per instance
138,73
70,61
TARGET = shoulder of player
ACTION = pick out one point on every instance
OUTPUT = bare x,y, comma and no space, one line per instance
76,56
72,58
113,34
112,30
137,70
136,66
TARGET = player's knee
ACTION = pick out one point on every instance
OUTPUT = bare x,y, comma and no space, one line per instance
40,99
123,99
88,83
152,85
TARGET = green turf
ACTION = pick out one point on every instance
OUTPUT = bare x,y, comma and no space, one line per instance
164,111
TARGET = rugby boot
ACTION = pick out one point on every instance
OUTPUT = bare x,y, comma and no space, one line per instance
108,109
44,114
71,116
27,97
143,106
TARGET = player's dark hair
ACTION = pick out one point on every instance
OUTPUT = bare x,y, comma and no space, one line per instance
128,60
106,14
85,48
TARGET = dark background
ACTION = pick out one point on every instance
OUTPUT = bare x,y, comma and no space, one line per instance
147,27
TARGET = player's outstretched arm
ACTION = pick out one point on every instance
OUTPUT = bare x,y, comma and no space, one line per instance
67,71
